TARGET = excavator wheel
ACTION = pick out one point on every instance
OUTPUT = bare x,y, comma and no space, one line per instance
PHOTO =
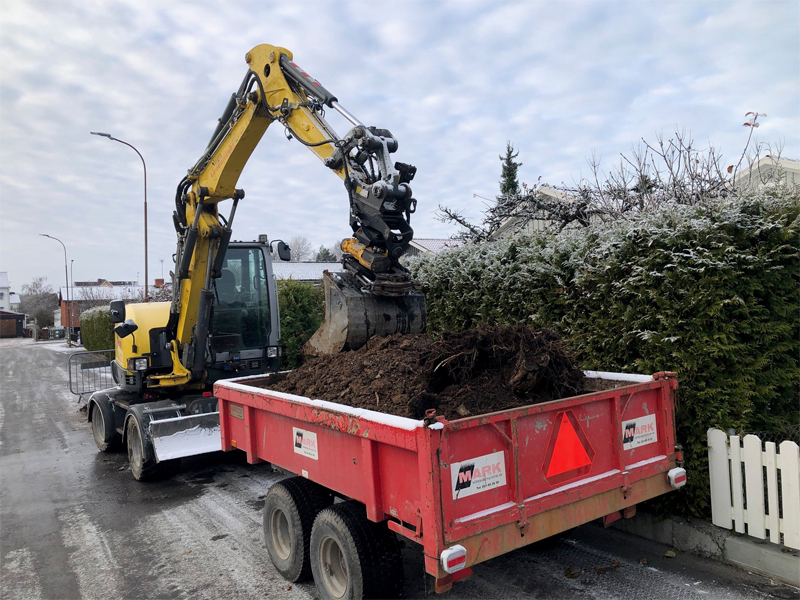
101,414
354,314
141,453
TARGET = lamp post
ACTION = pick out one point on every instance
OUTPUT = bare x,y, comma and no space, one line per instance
66,276
109,136
72,291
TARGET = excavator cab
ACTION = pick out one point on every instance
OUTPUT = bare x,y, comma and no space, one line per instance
244,317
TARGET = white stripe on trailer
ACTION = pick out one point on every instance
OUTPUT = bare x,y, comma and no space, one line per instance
379,417
361,413
631,377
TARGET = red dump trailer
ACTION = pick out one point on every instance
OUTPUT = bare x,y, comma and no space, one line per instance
466,490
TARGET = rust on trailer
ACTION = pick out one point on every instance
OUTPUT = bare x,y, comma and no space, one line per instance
493,542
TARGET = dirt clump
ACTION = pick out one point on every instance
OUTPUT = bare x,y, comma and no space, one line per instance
463,374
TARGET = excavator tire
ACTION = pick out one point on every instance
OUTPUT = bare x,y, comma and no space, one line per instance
141,453
101,414
353,315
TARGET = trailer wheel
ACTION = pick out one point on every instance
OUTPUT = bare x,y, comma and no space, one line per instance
352,557
141,454
104,431
289,512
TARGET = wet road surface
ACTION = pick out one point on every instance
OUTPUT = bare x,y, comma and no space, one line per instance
75,524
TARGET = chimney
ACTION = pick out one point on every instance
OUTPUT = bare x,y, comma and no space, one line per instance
159,283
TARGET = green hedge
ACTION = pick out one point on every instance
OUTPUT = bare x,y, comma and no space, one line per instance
96,329
302,311
712,292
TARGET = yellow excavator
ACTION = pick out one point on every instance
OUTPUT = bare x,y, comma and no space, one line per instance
223,318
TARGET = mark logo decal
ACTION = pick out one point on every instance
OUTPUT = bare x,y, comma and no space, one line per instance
477,474
639,432
305,443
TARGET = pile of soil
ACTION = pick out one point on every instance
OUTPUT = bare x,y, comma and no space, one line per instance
473,372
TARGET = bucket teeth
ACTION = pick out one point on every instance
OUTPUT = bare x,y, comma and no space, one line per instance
353,315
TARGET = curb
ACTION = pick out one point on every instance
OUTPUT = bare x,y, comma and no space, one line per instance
704,539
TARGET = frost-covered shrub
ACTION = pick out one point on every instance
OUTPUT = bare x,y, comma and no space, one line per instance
710,291
97,332
302,308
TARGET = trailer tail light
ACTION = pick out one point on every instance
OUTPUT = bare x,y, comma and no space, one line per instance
677,477
454,558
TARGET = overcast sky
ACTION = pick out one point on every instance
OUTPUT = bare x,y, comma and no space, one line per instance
452,81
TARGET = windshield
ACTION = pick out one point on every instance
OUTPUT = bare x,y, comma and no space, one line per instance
241,302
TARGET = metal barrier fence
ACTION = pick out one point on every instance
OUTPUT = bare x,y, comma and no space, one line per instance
90,372
755,488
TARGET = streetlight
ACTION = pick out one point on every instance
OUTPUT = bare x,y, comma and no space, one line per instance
108,135
66,276
72,291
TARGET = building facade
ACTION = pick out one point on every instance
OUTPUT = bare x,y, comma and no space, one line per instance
5,292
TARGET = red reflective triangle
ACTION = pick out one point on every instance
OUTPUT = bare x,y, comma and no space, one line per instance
568,452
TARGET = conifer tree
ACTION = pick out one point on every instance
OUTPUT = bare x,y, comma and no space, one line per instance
509,184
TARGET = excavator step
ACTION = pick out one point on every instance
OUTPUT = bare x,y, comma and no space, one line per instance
353,314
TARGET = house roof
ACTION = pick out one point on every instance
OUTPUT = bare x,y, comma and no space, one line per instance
767,169
303,271
512,224
787,164
4,282
433,245
103,292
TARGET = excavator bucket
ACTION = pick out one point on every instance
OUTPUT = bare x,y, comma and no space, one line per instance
353,315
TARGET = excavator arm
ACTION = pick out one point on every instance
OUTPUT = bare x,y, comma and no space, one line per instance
276,90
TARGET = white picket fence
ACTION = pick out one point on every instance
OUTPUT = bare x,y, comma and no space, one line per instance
755,488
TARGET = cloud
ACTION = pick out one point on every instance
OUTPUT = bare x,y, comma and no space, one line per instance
452,80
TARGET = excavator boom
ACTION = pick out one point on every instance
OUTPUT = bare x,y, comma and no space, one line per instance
379,289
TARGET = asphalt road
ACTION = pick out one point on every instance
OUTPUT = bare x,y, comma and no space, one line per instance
75,524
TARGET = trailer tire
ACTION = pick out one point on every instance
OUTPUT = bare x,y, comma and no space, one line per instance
352,557
141,454
104,431
289,512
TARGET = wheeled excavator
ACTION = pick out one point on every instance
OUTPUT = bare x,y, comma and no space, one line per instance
223,319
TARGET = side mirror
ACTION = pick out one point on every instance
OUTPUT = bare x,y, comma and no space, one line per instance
117,311
125,329
284,252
